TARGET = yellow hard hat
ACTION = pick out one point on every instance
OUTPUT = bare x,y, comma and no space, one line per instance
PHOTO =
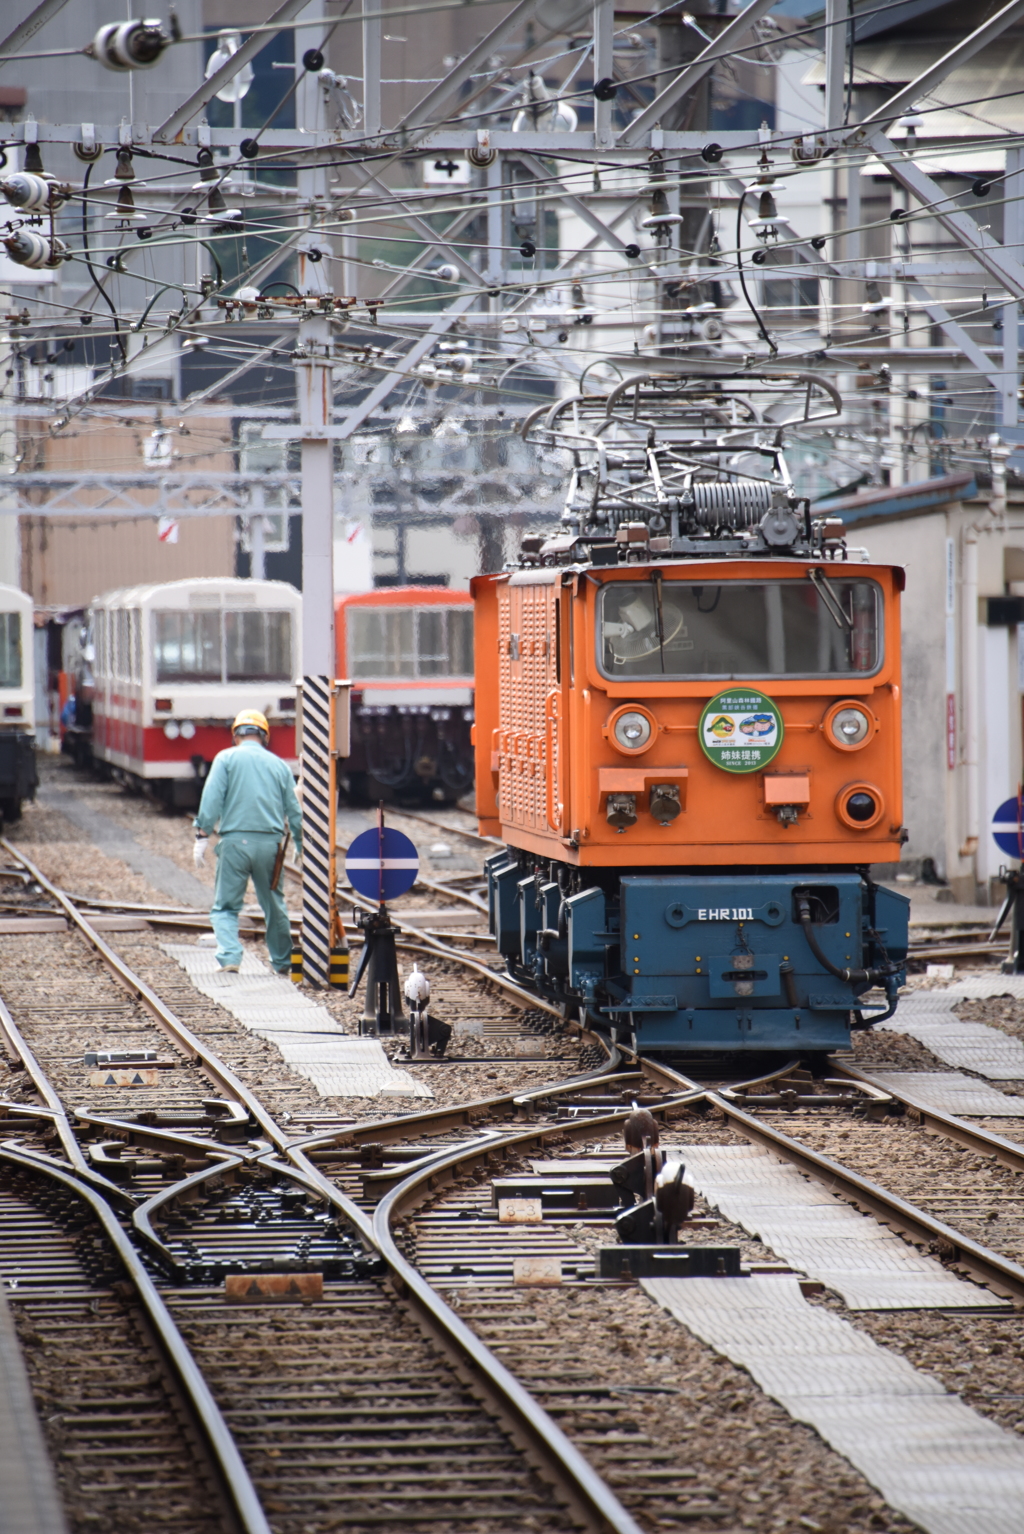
248,721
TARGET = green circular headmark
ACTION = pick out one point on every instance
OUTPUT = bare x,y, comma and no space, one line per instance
740,730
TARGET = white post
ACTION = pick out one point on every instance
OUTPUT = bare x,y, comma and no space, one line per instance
313,374
604,68
969,682
316,400
318,663
257,560
371,68
1013,239
836,25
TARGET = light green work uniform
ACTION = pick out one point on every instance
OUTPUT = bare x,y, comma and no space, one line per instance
247,798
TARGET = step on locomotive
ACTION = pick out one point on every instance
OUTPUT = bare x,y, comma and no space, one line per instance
688,732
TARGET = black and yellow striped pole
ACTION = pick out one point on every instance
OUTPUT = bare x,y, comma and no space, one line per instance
324,737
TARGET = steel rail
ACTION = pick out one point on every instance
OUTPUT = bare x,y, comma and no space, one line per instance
583,1488
214,1067
587,1493
18,1047
236,1486
439,825
998,1273
435,888
983,1142
459,1116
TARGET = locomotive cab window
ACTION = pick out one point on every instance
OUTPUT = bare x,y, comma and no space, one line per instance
10,649
741,629
410,642
187,646
258,646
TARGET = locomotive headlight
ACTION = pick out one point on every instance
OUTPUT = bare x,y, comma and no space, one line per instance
171,729
188,730
848,726
632,731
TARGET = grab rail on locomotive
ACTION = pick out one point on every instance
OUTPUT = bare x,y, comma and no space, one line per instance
688,731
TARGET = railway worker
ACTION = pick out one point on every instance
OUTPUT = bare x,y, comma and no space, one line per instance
248,798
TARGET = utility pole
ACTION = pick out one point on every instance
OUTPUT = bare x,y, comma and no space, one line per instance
315,384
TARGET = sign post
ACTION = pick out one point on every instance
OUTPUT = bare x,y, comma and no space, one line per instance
381,864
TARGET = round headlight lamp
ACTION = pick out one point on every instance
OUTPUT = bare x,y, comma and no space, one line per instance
632,730
171,729
848,726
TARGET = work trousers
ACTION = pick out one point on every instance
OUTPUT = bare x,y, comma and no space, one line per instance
241,856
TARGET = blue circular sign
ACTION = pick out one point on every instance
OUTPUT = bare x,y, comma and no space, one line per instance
1008,828
381,865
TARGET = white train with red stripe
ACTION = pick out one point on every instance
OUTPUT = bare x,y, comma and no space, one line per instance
173,664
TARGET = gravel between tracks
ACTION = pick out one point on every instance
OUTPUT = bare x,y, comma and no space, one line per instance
765,1471
753,1467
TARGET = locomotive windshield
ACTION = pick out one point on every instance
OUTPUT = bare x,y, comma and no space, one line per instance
739,628
10,649
410,641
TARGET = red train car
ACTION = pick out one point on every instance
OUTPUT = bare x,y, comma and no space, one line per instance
408,651
174,663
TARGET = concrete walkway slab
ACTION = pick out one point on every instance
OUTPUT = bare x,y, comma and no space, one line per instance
946,1467
307,1036
929,1017
821,1235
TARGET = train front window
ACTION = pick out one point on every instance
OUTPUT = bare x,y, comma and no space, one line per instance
740,629
385,642
10,649
187,647
258,646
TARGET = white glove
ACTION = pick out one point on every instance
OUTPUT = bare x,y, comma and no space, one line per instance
199,850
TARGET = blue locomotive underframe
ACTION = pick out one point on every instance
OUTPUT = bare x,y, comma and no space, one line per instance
703,962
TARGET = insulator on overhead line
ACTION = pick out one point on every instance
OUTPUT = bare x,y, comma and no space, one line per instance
27,248
34,194
125,45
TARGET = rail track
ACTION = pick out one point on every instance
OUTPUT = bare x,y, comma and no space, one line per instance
215,1188
379,1401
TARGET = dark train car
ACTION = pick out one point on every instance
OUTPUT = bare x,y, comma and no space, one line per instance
688,736
18,776
408,651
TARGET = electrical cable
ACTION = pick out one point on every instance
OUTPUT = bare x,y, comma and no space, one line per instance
772,347
92,273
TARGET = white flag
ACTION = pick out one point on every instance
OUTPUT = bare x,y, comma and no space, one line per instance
167,530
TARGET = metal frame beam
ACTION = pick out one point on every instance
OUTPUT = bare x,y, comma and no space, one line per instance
693,73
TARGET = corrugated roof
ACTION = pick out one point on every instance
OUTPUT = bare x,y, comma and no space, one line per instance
885,502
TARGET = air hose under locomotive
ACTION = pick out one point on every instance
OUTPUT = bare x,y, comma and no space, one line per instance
688,731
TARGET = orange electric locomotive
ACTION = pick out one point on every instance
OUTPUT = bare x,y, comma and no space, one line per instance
688,733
